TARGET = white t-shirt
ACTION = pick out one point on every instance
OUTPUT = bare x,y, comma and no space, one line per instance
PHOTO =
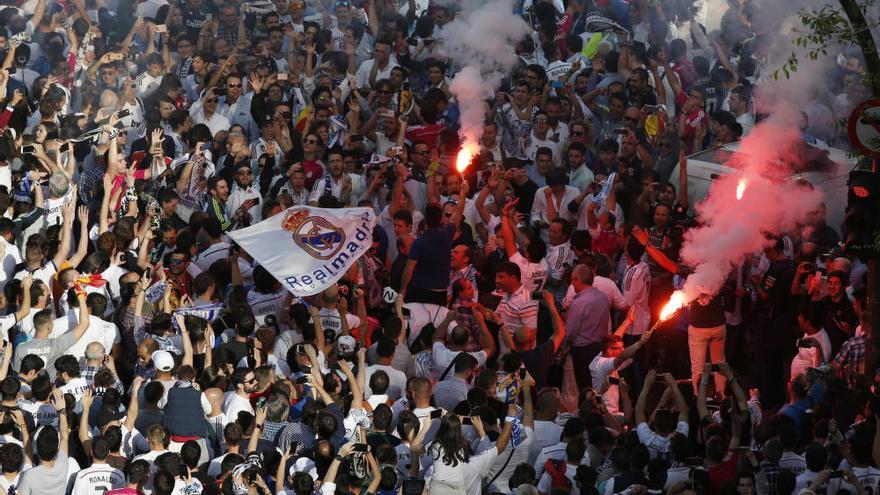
98,479
330,320
600,369
233,404
265,304
443,356
545,483
532,275
654,442
99,331
396,380
806,357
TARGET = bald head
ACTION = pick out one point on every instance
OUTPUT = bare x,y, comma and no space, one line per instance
215,398
95,352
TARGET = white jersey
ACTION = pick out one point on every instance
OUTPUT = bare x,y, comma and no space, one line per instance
98,479
532,275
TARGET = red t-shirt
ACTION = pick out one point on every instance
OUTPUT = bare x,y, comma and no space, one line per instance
692,121
721,473
313,170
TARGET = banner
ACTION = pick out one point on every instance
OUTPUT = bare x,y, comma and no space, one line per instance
308,249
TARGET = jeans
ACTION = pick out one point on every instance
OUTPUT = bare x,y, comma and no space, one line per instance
581,357
698,340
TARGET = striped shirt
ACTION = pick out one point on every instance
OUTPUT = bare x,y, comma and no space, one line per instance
518,309
635,286
558,259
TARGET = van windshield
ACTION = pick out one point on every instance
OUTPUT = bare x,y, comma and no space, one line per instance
798,158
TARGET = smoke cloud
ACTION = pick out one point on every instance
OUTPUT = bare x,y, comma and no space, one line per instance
481,39
732,229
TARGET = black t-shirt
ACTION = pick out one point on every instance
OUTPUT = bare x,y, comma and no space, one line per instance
526,195
710,315
836,313
538,361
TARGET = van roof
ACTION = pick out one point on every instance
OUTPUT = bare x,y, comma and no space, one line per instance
804,158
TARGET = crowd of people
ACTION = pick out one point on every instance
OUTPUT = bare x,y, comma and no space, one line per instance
502,333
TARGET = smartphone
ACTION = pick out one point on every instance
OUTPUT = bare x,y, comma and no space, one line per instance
650,108
466,421
522,373
360,447
123,113
116,56
28,149
161,28
835,474
282,76
558,84
437,414
256,200
428,41
465,310
613,380
620,130
302,380
804,343
64,148
300,349
148,271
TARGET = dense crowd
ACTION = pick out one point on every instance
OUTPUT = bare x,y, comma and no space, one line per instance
502,333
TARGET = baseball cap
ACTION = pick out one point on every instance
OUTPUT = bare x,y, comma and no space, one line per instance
346,345
163,360
108,414
304,465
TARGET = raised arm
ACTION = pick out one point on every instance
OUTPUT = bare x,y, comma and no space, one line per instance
556,319
187,345
680,403
507,228
631,351
643,397
683,180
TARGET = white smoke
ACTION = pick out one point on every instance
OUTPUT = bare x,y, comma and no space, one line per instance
481,39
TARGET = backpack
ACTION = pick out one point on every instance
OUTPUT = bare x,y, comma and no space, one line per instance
556,468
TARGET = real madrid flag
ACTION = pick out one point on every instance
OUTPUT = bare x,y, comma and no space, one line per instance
308,249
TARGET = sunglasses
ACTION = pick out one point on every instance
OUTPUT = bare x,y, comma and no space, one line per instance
244,171
233,85
310,141
174,261
212,100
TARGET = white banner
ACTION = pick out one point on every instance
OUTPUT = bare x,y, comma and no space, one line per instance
308,249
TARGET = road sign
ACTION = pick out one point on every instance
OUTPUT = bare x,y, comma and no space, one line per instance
864,127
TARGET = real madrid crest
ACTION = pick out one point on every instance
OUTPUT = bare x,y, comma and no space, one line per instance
315,235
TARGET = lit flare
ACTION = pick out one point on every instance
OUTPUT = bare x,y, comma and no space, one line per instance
740,189
676,302
468,150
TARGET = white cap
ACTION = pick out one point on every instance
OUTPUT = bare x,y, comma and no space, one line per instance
304,465
163,360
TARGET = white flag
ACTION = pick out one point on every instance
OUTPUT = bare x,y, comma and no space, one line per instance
308,249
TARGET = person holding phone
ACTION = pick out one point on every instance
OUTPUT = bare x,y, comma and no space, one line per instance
603,367
814,348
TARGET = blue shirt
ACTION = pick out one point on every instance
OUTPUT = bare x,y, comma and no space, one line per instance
588,318
797,410
431,252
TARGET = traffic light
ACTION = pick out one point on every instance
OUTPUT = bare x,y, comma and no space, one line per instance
861,226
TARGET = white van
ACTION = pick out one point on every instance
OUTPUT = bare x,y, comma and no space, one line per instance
826,168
